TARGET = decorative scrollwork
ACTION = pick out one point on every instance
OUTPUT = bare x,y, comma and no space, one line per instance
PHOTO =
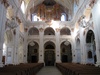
12,23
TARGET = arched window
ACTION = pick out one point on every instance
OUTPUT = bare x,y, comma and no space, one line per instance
34,17
49,31
23,6
33,31
63,17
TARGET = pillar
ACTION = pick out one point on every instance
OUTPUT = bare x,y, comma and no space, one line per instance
83,47
25,49
2,28
96,22
58,54
41,48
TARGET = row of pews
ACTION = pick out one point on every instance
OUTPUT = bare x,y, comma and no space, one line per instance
77,69
22,69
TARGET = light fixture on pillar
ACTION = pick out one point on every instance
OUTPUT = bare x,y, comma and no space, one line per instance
32,43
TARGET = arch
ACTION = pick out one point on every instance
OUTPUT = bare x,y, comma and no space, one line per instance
34,41
90,36
65,31
49,53
50,40
49,31
66,53
33,31
91,47
33,51
65,40
49,43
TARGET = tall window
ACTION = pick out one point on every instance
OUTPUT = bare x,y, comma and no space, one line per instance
34,17
23,6
63,17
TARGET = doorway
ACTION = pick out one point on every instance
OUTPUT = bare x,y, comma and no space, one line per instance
91,47
64,58
49,58
66,53
49,54
33,48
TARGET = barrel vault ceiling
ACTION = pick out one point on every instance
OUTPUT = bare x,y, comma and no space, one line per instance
66,3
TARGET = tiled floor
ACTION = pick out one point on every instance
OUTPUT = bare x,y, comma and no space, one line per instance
49,70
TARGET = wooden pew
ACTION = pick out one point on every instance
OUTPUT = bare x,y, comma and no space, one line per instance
77,69
22,69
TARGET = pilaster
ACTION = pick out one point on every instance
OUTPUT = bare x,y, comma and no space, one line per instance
58,54
41,49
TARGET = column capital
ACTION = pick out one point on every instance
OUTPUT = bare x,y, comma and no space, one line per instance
41,29
57,29
5,2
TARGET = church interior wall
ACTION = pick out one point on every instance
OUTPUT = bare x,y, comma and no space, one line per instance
16,33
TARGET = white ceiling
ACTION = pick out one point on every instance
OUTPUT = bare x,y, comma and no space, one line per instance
66,3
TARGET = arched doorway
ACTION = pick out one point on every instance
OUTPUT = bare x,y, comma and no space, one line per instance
66,53
78,51
49,53
91,47
33,48
65,31
49,31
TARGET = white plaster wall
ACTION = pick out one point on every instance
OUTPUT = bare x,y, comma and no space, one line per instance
41,39
96,20
2,28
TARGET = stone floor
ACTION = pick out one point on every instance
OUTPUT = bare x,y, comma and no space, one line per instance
49,70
